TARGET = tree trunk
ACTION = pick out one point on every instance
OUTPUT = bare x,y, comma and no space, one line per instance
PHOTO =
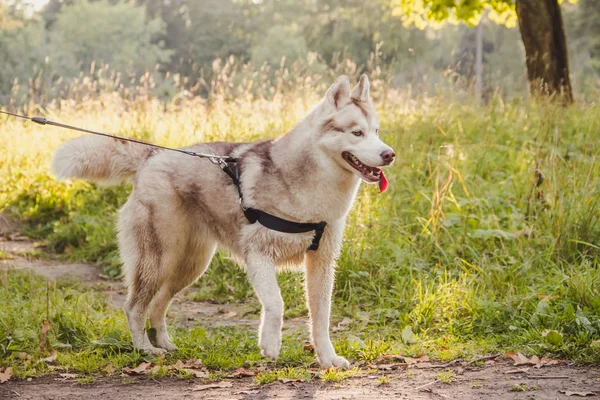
479,61
543,34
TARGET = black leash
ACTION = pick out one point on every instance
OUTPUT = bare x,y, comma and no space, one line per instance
230,166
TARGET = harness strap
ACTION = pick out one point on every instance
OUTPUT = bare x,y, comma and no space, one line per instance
271,221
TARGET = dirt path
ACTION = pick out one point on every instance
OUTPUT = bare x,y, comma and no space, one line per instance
182,312
487,382
493,380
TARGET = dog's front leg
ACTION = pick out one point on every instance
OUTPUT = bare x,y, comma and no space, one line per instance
320,273
261,272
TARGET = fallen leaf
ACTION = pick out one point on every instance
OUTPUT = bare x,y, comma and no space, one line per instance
193,364
422,359
580,394
520,359
141,369
220,385
309,347
196,372
45,328
5,374
547,361
193,367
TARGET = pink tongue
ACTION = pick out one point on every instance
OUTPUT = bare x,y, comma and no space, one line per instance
383,183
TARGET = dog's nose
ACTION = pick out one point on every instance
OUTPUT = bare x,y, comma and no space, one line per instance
388,157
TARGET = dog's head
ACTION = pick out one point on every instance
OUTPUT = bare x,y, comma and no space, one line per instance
349,131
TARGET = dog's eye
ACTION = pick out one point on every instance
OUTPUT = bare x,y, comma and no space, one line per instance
357,133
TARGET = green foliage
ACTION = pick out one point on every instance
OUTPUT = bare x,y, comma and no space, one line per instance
22,50
118,34
280,42
83,34
421,12
588,30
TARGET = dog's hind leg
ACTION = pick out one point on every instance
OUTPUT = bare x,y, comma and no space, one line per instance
261,272
148,258
158,311
136,309
190,269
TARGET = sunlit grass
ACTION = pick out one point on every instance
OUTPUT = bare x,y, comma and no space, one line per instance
487,237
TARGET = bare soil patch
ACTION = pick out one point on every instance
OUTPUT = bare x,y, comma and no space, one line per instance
485,382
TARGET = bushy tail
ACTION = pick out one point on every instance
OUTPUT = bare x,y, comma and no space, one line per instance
99,159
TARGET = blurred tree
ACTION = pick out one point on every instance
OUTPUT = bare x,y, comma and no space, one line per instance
280,41
118,34
541,26
200,31
590,25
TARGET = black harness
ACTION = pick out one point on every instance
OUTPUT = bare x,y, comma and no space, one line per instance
231,167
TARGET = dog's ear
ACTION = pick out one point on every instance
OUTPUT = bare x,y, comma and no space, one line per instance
339,93
361,91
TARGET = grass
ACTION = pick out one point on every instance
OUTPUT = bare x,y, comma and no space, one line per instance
285,374
521,387
445,377
486,241
336,375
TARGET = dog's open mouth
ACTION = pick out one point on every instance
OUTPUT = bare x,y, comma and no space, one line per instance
368,173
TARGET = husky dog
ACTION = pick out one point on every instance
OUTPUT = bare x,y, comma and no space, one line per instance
183,208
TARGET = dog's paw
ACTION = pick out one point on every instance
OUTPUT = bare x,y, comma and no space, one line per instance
270,349
166,345
157,351
334,361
